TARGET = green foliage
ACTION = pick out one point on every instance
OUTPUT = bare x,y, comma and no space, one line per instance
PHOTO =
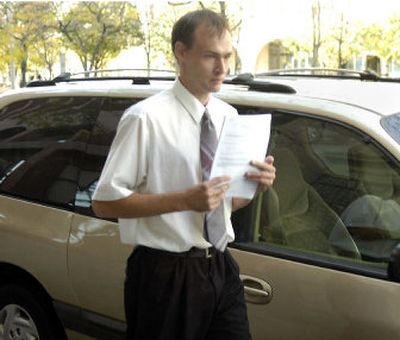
163,21
32,33
46,52
392,35
23,25
99,31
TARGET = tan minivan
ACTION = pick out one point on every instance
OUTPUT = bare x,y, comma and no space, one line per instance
318,253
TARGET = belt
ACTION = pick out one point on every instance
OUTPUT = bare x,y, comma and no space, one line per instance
192,252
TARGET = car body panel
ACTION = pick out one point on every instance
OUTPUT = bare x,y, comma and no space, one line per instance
80,260
312,302
39,247
96,262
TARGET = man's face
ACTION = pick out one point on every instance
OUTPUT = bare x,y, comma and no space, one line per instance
203,67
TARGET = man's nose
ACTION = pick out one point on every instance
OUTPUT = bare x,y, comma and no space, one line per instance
222,65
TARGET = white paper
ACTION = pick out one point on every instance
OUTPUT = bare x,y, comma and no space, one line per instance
243,138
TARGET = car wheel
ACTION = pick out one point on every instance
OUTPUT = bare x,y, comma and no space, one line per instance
24,315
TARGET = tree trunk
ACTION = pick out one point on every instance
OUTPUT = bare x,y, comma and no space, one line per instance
24,66
316,17
340,58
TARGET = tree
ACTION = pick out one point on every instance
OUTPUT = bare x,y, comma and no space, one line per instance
340,44
316,20
47,52
148,32
163,22
298,51
4,44
99,31
26,22
391,45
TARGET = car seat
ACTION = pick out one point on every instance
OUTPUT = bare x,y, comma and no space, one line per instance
372,174
376,210
297,216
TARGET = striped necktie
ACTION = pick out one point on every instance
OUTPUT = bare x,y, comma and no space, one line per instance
214,223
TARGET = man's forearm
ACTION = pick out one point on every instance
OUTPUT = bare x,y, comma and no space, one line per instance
203,197
140,205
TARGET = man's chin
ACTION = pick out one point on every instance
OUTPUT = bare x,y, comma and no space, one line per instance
216,87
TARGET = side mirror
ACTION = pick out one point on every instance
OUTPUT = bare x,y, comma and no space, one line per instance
394,264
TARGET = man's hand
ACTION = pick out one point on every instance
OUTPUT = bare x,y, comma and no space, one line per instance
207,195
265,176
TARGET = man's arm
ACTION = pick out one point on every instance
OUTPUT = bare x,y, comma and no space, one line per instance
203,197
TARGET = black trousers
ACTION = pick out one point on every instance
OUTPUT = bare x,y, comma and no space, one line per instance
173,296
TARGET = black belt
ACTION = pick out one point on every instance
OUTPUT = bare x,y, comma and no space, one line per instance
193,252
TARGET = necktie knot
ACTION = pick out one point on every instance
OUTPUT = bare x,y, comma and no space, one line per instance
205,119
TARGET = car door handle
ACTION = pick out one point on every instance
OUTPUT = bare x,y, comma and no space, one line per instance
256,291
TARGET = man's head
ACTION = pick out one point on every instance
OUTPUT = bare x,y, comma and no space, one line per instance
202,46
185,27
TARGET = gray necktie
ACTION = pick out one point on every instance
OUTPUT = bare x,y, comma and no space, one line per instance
215,222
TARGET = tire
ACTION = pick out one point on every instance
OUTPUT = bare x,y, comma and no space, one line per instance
24,315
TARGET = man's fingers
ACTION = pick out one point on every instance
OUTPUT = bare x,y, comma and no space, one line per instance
269,159
218,181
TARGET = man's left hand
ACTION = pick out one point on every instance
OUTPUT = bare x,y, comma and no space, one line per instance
265,176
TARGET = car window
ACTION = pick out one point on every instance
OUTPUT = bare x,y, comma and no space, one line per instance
42,141
336,196
97,150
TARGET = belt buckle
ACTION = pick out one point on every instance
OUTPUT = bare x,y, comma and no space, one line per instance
208,254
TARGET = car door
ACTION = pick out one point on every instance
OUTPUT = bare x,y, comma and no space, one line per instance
314,249
96,257
41,140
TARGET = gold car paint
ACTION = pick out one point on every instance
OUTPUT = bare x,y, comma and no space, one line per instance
310,302
97,262
34,237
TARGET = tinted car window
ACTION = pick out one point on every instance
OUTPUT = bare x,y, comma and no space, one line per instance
336,196
41,143
97,150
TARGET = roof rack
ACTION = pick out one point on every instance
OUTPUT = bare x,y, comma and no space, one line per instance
141,76
247,79
145,76
323,73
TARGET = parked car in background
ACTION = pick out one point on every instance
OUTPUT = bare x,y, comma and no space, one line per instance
318,253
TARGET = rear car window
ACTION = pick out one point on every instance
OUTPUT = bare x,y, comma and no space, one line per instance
42,140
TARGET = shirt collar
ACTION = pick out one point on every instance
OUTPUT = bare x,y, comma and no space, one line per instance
191,104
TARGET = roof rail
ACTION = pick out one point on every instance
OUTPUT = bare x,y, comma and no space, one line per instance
247,79
323,73
38,83
140,76
121,72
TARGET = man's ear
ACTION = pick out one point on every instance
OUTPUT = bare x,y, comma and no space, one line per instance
180,50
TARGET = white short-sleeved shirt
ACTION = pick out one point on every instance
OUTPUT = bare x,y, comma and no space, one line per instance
157,150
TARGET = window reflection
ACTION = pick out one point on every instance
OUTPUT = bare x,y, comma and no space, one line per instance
42,142
97,150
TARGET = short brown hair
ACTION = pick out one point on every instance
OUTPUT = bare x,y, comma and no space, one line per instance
184,28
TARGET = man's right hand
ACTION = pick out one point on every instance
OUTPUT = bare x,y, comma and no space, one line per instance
207,195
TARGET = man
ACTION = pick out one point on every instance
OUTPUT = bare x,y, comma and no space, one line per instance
178,285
